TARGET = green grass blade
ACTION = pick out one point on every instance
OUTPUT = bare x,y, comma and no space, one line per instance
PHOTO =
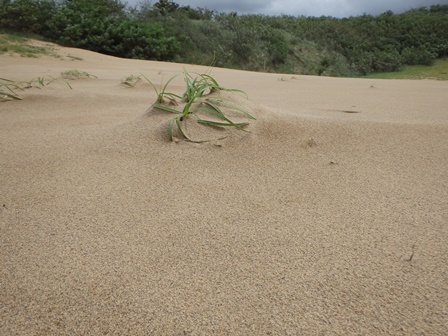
11,90
216,108
168,82
166,108
217,123
209,79
190,87
170,128
222,116
186,111
234,90
171,95
13,96
41,81
7,80
15,87
67,83
179,126
151,83
233,107
217,113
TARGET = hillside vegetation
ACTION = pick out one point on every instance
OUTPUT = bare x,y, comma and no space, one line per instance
164,30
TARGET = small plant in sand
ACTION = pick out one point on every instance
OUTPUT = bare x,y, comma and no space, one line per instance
76,74
131,81
198,98
9,88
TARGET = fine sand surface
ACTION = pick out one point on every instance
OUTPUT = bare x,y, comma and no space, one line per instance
329,218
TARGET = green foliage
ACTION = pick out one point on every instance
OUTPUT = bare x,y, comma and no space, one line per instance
28,16
103,26
165,7
143,40
198,98
164,30
439,71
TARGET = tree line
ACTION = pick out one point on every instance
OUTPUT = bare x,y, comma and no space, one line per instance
167,31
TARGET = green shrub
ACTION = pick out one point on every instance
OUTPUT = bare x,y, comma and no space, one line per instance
27,16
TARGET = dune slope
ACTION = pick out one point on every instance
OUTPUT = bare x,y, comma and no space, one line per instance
328,218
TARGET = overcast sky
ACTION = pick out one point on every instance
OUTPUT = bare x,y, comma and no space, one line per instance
336,8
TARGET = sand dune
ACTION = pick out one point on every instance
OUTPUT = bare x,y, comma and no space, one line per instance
328,218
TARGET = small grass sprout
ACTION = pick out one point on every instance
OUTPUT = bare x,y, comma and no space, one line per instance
76,74
130,81
200,104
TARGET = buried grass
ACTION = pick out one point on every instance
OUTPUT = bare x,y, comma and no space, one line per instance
131,81
199,103
76,74
9,88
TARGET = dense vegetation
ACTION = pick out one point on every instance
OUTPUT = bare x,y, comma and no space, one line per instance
305,45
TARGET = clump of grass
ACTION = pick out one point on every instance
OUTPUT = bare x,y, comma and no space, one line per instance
9,88
76,74
198,98
131,81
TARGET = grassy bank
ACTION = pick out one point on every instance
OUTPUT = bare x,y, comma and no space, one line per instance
23,46
439,71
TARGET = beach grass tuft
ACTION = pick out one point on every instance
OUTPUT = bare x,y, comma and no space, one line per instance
198,98
76,74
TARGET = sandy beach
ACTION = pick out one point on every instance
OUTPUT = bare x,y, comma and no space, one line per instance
329,217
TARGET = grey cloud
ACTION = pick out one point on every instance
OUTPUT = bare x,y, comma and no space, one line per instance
336,8
241,6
